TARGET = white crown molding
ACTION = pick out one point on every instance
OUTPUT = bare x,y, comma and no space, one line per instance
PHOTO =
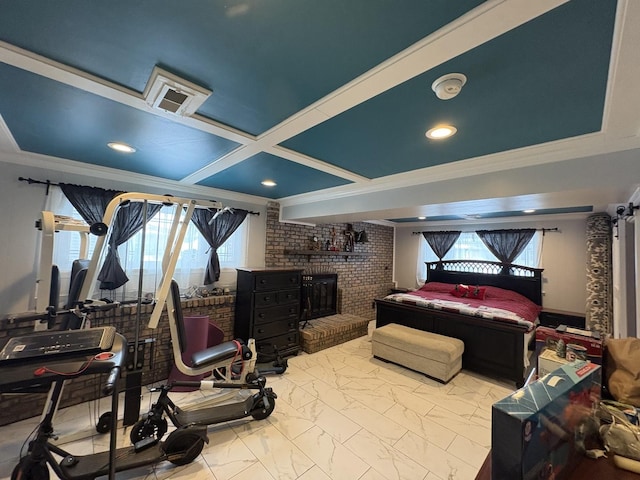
76,78
561,150
474,28
620,116
7,142
95,171
529,219
485,22
316,164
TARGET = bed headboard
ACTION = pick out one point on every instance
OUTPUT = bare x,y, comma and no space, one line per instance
526,281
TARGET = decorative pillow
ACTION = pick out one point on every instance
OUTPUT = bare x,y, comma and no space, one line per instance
477,292
465,291
460,291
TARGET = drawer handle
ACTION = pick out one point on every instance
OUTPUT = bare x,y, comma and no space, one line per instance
266,298
263,281
260,330
261,315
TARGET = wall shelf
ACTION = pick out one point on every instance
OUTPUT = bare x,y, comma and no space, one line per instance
326,253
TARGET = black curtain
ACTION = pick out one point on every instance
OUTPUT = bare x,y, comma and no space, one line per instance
441,242
506,245
90,202
216,231
128,222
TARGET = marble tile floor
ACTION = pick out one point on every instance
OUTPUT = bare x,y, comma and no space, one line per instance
340,414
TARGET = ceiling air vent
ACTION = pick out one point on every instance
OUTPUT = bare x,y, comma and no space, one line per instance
169,93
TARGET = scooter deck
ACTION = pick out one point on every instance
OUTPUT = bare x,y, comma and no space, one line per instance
88,467
215,414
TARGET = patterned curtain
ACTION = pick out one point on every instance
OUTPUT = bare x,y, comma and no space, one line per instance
216,228
599,308
506,245
441,243
127,223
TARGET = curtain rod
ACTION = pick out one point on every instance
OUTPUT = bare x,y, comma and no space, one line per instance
51,184
543,230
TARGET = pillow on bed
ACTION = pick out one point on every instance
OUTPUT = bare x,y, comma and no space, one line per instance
465,291
436,287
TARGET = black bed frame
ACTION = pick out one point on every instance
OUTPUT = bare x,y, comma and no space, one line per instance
491,347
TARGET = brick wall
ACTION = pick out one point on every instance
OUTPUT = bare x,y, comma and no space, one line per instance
158,357
360,279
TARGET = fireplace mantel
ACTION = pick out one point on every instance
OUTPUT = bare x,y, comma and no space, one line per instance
325,253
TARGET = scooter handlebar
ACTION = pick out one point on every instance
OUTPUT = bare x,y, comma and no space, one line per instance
111,381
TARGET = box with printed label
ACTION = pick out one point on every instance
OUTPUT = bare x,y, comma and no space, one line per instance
548,361
535,431
574,343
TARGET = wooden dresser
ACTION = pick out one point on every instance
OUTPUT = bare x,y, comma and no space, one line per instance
268,310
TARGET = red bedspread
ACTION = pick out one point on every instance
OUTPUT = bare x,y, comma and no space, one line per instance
498,304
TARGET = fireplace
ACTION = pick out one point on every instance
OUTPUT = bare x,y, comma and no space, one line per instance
319,295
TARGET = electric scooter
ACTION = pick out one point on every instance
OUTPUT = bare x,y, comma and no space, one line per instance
259,405
233,363
182,446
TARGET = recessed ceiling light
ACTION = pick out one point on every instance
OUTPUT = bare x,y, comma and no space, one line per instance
441,131
422,218
121,147
268,183
528,211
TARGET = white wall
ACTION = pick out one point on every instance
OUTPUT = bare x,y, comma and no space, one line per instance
20,207
563,259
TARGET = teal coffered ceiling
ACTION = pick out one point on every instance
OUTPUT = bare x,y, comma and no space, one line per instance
328,99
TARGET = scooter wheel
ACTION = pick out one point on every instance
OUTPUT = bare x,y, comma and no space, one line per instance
260,412
148,428
183,447
104,423
26,469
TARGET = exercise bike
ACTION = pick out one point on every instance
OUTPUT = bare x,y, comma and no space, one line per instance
182,446
232,363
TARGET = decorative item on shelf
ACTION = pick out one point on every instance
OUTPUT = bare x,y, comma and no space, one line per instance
314,243
361,237
349,235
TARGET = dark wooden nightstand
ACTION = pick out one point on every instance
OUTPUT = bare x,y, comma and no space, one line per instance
552,318
400,290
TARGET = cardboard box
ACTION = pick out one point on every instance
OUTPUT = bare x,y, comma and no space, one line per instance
548,338
533,430
548,361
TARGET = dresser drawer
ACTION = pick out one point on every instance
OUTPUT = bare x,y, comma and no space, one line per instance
273,329
287,343
267,299
286,297
279,312
276,281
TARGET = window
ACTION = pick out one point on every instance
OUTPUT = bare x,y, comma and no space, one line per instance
470,247
190,267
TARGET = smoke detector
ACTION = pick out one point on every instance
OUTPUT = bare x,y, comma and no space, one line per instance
172,94
448,86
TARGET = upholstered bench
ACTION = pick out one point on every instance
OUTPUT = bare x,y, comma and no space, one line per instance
434,355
